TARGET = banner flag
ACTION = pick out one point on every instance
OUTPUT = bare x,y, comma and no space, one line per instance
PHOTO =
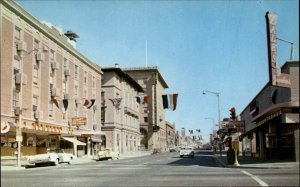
91,103
165,101
86,102
146,98
65,103
54,101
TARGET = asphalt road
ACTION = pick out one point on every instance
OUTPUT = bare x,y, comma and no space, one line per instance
163,169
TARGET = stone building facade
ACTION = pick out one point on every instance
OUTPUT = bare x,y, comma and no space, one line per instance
50,93
121,111
152,121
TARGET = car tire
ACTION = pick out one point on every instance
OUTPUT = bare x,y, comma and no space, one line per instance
56,163
181,156
70,162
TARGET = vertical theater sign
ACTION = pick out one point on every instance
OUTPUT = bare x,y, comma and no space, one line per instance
276,78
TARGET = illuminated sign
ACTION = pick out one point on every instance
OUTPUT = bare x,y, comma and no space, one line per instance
275,76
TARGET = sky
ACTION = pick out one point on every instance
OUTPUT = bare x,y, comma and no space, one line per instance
219,46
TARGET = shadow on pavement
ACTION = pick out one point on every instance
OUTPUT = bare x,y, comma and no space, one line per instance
198,160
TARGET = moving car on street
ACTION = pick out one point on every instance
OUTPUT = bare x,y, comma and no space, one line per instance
55,157
107,153
186,151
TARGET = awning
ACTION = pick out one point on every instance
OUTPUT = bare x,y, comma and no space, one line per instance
273,111
93,133
74,141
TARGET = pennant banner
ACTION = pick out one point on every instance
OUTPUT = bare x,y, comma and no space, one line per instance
65,103
55,101
91,103
86,102
146,98
116,102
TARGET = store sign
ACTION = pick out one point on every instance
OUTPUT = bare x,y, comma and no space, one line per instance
5,127
46,127
275,76
78,121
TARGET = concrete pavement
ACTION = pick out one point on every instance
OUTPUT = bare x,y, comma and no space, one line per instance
250,162
9,163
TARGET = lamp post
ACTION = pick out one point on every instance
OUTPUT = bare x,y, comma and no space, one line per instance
218,96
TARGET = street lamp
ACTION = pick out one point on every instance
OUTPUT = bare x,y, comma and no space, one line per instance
218,96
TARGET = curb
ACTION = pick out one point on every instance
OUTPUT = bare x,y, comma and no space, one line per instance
220,162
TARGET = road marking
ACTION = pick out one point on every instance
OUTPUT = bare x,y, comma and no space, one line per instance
262,183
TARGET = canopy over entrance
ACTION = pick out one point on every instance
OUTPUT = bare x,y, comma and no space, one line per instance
74,141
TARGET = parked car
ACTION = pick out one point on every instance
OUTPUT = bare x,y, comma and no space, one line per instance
172,149
55,157
107,153
186,151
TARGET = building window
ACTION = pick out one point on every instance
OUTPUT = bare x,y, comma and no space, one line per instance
17,64
76,91
34,103
118,140
146,119
15,101
36,45
85,94
65,63
17,33
76,71
52,54
94,83
35,75
50,109
85,78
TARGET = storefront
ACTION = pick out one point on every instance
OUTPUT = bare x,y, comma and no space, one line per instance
274,137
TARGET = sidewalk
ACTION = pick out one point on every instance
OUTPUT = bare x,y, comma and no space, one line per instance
9,163
250,162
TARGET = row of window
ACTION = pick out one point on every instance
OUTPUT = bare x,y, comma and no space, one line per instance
17,67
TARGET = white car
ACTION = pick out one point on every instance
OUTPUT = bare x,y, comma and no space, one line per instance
55,157
186,151
107,153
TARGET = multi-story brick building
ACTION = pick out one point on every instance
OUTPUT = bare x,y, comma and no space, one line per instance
152,122
49,91
272,119
121,110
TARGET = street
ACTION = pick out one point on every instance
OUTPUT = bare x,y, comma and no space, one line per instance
162,169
